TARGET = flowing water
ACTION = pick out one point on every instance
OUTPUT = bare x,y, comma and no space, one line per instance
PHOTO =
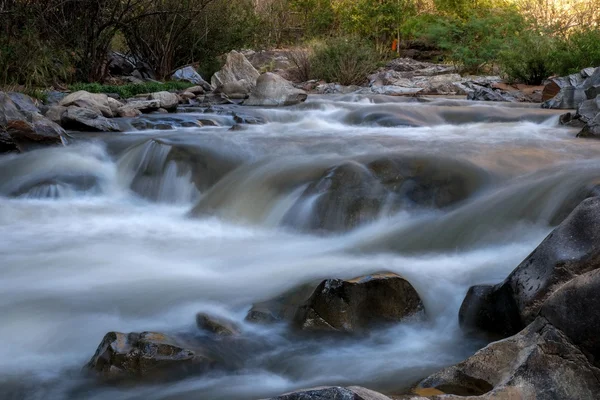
140,231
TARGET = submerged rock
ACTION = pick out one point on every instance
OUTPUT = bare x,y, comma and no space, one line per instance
217,325
272,90
355,305
572,249
144,354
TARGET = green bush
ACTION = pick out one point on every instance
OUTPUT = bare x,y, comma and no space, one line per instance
131,90
345,60
529,59
579,50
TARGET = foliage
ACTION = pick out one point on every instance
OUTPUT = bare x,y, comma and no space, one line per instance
345,60
131,90
580,49
529,59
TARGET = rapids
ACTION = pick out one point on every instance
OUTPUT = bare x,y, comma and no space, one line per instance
139,231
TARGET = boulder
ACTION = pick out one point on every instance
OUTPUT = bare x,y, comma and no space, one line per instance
356,305
281,308
236,68
136,107
353,193
538,363
24,102
189,74
570,91
23,130
185,97
333,393
588,114
120,64
55,113
217,325
169,101
84,119
98,102
196,90
572,249
145,354
237,90
272,90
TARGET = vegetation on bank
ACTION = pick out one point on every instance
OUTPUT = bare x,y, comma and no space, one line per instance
58,42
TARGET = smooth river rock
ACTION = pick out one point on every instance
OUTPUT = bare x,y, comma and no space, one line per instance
273,90
333,393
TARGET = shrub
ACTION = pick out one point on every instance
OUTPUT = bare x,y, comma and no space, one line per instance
345,60
301,61
580,49
528,60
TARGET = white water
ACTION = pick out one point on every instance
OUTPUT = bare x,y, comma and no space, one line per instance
121,251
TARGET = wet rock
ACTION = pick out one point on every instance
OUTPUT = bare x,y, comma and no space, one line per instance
570,91
83,119
189,74
272,90
169,101
137,107
572,249
24,102
185,97
538,363
355,192
237,90
353,306
281,308
23,130
333,393
145,354
248,119
237,68
329,88
217,325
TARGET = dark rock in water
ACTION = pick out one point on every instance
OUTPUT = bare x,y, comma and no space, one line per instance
145,354
7,144
283,307
353,306
248,119
575,309
84,119
333,393
272,90
218,326
538,363
570,91
572,249
354,193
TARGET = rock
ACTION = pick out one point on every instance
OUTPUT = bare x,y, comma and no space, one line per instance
281,308
137,107
189,74
24,102
218,326
99,102
588,114
575,309
424,68
120,64
168,101
353,193
331,88
185,97
196,90
84,119
237,90
333,393
144,354
55,113
355,305
570,91
272,90
23,130
481,93
572,249
237,68
248,119
538,363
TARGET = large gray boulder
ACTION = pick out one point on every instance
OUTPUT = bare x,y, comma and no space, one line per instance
273,90
137,107
569,92
22,128
169,101
571,250
237,68
98,102
189,74
85,119
588,114
356,305
538,363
